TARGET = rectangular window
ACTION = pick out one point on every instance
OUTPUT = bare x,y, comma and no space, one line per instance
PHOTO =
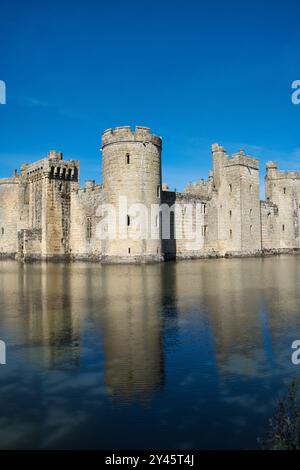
230,188
128,221
127,159
283,228
89,228
129,251
230,214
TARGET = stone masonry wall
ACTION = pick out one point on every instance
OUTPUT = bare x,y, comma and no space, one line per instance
269,226
186,216
236,181
9,216
283,189
44,214
131,163
84,243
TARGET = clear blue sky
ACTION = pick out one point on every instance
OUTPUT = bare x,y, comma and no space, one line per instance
195,72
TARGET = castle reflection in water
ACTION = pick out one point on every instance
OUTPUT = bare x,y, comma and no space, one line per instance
245,305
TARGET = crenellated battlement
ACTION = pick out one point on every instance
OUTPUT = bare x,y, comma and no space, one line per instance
89,188
53,166
273,173
240,158
200,188
54,155
271,165
11,180
127,134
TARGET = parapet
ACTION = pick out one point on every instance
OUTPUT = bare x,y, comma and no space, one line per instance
89,184
10,180
54,166
271,165
217,148
240,158
53,154
202,188
126,134
273,173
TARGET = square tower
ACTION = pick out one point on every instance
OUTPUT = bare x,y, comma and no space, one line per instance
236,180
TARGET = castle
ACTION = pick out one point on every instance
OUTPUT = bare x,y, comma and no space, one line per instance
44,214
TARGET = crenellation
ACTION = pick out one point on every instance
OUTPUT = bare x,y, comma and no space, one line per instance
287,175
54,155
122,134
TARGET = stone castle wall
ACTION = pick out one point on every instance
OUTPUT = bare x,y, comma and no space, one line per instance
131,162
84,220
283,189
184,219
44,214
269,226
9,204
233,211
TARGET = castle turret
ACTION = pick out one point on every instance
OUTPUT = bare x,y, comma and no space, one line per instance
131,168
236,180
219,156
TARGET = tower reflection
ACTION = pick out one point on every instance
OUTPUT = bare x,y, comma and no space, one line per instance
131,323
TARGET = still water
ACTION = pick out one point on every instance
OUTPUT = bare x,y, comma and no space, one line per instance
179,355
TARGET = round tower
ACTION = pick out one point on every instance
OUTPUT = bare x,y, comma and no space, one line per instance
131,170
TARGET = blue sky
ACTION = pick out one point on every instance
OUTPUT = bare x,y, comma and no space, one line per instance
195,72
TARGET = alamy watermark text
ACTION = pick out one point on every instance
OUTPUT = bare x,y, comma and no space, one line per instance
2,92
2,352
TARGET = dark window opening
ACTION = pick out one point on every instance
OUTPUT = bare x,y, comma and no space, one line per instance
283,228
75,174
230,233
129,251
127,158
128,221
89,228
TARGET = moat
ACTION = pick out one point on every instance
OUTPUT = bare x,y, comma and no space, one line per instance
183,355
